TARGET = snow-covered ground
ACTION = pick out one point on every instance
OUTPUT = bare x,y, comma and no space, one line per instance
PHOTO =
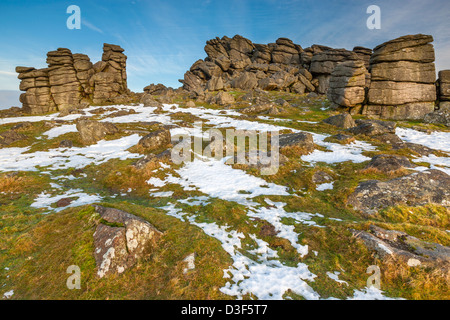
264,276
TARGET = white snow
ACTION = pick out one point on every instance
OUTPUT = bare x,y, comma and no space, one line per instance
8,294
436,140
266,278
60,130
14,159
219,180
335,277
45,200
325,186
370,293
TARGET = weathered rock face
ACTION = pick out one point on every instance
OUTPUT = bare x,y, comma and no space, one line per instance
402,78
416,189
238,63
71,79
347,84
323,64
364,54
118,247
444,90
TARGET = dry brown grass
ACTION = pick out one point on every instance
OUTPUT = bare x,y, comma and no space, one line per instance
16,184
418,283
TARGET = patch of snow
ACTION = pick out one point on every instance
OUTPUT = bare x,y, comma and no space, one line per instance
238,186
60,130
266,279
335,277
8,294
325,186
370,293
436,140
14,159
45,200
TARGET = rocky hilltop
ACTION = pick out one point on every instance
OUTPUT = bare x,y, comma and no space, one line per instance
396,80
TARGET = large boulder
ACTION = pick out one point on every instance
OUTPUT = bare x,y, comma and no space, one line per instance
373,127
120,240
417,189
92,131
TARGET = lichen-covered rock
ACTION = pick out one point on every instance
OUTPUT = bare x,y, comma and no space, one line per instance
399,246
417,189
155,140
438,117
92,131
121,240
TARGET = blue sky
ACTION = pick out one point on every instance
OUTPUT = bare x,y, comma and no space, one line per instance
163,38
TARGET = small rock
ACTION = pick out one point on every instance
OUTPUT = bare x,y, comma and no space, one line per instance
190,104
190,263
389,162
64,202
343,120
303,140
155,140
66,144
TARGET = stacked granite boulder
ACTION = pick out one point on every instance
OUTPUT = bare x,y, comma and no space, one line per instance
37,97
323,64
402,78
65,88
72,79
110,78
348,82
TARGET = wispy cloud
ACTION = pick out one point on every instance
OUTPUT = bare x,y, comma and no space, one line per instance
8,73
91,26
